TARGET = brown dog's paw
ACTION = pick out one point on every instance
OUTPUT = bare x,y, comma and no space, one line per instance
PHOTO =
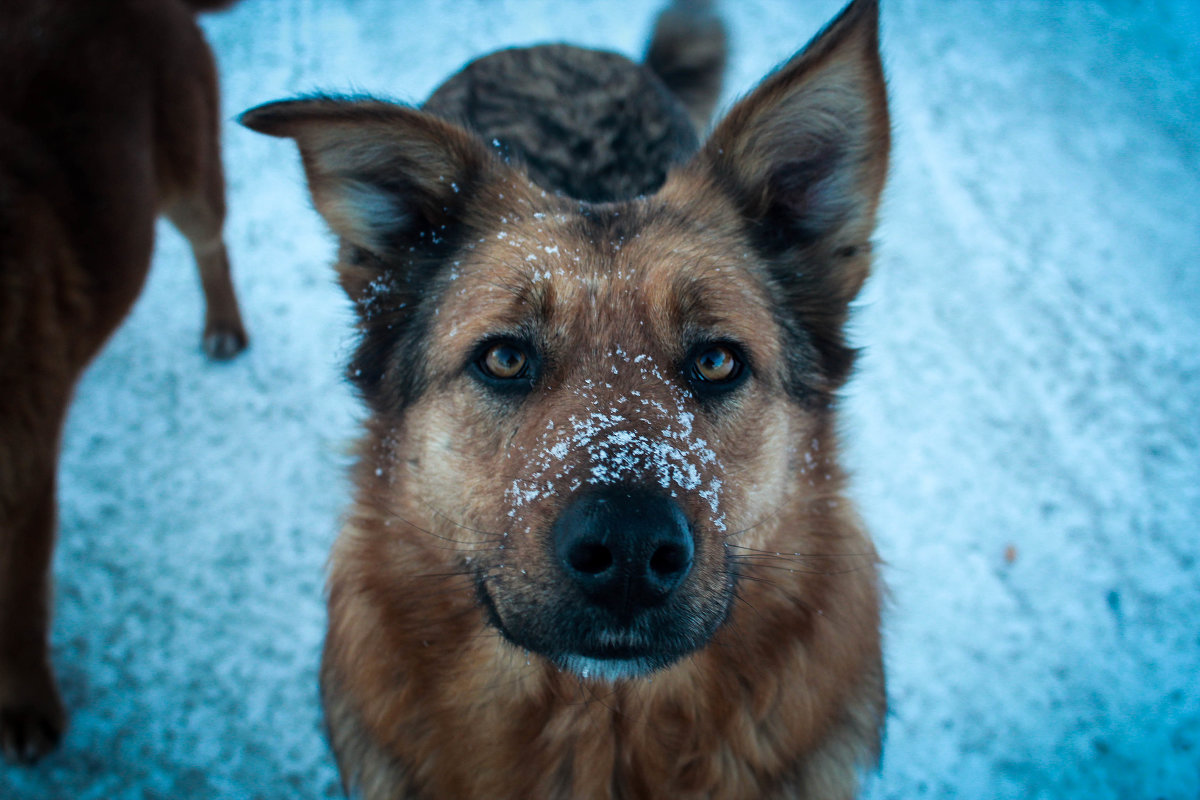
223,344
32,718
28,733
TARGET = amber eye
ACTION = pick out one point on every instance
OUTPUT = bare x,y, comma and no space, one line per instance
716,364
504,361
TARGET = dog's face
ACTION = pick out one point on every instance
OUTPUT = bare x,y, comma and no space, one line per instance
579,407
598,385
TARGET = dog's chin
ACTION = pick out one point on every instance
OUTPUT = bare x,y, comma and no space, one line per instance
611,670
600,658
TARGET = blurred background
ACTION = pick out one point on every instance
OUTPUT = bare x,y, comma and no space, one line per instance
1024,428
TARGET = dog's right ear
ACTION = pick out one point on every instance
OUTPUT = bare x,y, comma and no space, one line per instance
804,157
386,177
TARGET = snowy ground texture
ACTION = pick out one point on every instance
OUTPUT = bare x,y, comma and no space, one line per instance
1030,388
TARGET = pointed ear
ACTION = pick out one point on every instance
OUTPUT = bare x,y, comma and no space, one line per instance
805,155
396,185
383,176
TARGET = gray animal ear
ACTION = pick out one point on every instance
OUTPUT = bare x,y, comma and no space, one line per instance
805,155
381,174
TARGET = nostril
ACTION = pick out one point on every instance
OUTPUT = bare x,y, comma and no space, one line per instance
623,550
590,558
670,560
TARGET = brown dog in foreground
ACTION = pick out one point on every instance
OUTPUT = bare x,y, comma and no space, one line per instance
108,115
600,546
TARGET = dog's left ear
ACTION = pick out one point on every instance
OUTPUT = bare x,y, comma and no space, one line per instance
804,158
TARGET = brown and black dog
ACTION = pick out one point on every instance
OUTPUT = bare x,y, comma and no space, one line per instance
108,115
600,546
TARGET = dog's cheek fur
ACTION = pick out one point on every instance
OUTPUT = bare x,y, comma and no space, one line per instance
403,615
450,445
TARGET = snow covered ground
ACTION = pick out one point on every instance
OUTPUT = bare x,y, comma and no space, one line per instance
1025,426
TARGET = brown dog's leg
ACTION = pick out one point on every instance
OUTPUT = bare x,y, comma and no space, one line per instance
200,216
191,181
196,198
31,712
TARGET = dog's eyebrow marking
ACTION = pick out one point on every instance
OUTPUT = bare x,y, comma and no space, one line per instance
701,295
535,297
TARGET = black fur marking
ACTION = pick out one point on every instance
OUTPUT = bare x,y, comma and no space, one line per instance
396,317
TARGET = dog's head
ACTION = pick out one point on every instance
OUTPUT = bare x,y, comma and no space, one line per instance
580,407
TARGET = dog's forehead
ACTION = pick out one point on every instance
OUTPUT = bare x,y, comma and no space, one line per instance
630,274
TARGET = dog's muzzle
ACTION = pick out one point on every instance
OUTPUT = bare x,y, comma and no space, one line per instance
628,590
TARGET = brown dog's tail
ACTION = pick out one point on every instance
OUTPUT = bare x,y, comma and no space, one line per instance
687,52
208,5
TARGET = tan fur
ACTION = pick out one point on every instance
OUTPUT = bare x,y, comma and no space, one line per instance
108,115
445,562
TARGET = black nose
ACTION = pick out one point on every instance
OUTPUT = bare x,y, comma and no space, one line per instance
627,550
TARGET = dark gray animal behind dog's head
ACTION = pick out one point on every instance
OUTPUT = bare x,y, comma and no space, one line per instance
626,124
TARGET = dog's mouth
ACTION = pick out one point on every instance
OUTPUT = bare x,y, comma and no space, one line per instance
575,641
611,655
588,651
